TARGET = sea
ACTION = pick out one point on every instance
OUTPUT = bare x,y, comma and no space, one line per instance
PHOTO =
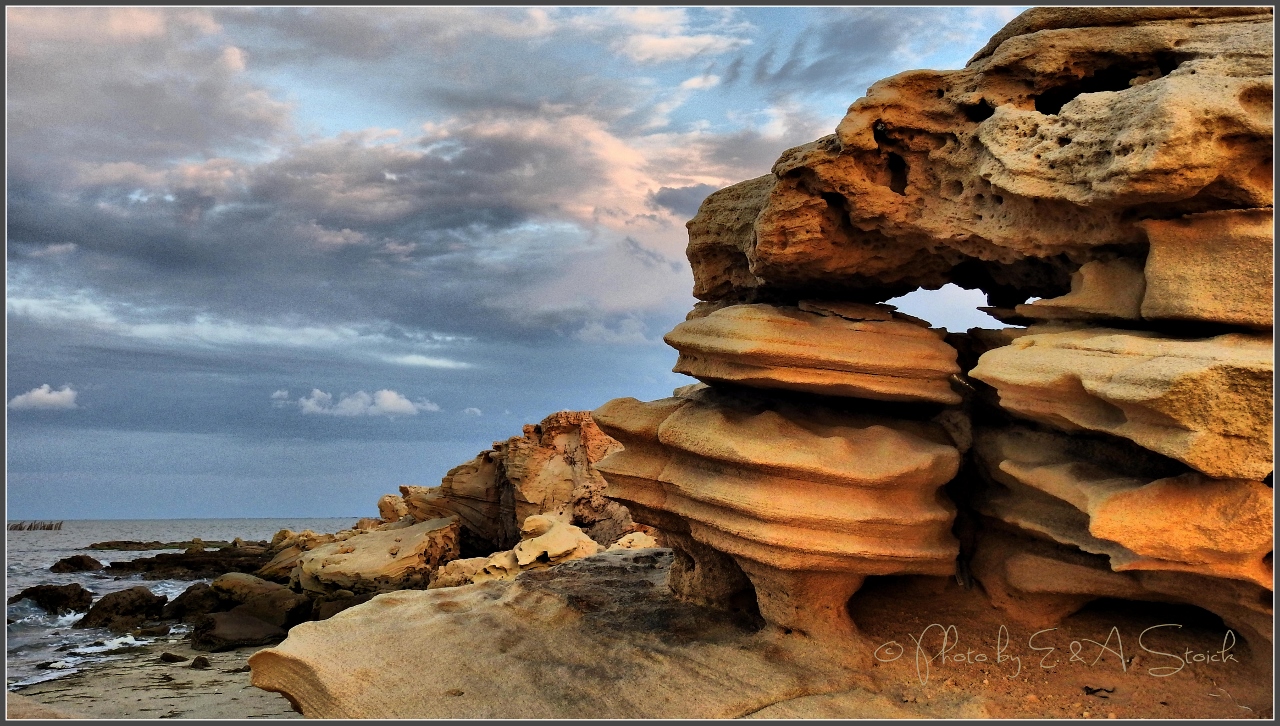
42,647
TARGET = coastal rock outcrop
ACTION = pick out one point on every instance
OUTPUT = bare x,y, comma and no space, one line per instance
547,471
57,599
380,560
1104,176
596,638
76,563
805,499
1063,490
123,611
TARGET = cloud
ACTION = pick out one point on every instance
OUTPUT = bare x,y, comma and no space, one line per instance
384,402
628,331
282,394
471,411
46,398
425,361
649,48
682,201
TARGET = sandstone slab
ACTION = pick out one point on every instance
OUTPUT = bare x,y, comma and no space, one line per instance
1186,523
594,638
1214,266
860,351
1204,402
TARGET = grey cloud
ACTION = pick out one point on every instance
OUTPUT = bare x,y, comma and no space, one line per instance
683,201
162,96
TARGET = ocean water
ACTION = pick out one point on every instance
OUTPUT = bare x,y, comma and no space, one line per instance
41,647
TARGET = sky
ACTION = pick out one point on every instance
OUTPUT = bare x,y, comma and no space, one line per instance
277,262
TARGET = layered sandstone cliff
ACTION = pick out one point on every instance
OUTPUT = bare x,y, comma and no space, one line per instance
1104,177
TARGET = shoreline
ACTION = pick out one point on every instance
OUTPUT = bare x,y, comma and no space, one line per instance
140,685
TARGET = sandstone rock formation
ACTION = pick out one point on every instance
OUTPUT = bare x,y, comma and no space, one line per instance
594,638
1204,402
544,542
1044,153
1189,523
806,500
1114,163
1213,267
832,349
380,560
548,471
392,508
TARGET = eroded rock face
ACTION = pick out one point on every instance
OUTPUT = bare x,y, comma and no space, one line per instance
835,349
594,638
1042,154
1205,402
548,471
544,542
1189,522
380,560
1214,267
1038,583
806,501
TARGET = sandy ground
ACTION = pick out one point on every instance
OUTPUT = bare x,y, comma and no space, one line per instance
1001,672
1077,678
142,686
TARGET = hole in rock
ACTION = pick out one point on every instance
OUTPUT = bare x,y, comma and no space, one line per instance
897,174
978,112
1190,617
1112,78
951,307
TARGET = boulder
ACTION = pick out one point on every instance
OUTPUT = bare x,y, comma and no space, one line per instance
458,572
596,638
57,599
1204,402
549,470
806,500
241,587
1042,154
545,542
1213,267
195,602
634,541
270,602
76,563
391,508
327,606
227,631
124,610
834,349
378,561
1188,523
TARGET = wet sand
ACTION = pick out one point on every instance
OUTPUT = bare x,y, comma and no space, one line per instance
140,685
